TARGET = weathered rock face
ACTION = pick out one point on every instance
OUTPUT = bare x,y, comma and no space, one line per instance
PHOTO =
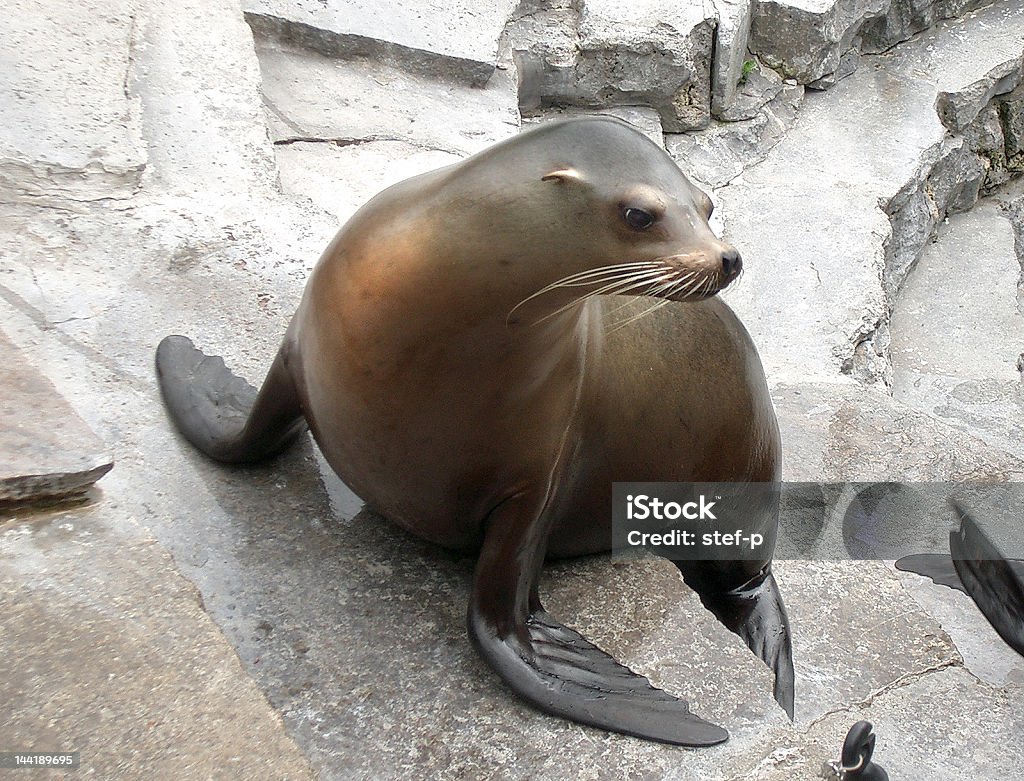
603,53
835,257
966,284
719,154
818,42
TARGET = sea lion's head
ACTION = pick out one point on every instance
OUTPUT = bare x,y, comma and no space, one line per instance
612,212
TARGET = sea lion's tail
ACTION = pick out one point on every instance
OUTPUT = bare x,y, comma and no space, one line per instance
222,414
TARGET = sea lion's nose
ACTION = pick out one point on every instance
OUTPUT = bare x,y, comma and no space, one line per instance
732,263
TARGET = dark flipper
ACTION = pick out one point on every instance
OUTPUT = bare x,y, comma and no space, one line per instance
989,579
937,566
222,414
756,613
552,667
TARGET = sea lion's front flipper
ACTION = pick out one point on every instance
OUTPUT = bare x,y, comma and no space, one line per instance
220,413
756,613
550,665
990,579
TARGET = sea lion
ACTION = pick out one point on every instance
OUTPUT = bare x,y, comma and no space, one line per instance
471,358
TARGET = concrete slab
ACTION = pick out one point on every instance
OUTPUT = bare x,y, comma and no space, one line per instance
848,432
455,39
310,97
198,81
70,123
47,452
353,631
107,651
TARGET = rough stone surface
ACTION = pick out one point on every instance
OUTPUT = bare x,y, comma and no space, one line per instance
966,283
818,42
70,127
914,736
47,452
721,153
606,53
107,651
454,39
839,258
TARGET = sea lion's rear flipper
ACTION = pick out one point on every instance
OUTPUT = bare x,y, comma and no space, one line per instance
220,413
756,613
551,666
990,579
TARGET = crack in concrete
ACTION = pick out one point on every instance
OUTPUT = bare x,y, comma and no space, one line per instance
44,325
900,683
344,141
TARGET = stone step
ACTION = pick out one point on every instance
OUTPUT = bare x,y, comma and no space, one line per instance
48,454
70,128
834,216
819,42
345,129
456,39
958,329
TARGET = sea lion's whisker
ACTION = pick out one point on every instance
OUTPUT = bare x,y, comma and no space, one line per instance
591,277
611,289
583,277
660,290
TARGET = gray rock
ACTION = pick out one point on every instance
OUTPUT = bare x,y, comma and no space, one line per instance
70,124
757,89
914,734
976,386
722,152
605,53
818,42
728,66
644,119
840,258
456,39
47,452
847,432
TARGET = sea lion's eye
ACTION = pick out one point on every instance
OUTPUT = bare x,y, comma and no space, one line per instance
638,219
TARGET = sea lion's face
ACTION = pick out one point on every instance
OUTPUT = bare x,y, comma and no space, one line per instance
641,225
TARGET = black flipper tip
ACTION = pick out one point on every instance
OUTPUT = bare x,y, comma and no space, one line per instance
560,672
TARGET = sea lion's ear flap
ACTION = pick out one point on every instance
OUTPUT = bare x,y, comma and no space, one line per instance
566,174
